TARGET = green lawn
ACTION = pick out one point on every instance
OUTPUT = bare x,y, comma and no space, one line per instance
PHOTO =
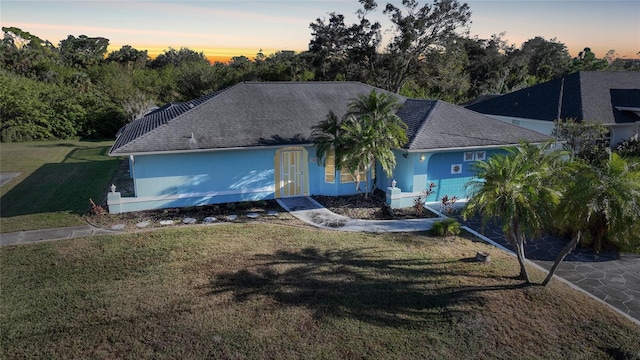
57,181
261,291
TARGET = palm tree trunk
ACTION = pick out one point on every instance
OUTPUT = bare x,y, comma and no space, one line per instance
565,251
517,239
524,275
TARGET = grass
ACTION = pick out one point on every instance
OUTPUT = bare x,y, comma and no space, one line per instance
256,291
56,182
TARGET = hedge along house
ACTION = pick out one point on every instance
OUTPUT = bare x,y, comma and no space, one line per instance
251,142
609,98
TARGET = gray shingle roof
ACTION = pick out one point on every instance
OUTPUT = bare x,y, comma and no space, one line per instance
244,115
280,113
434,124
586,95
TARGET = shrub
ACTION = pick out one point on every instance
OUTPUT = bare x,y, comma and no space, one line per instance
629,147
447,227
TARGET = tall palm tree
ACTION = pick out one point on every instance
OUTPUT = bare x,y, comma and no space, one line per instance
519,188
367,133
603,201
326,136
372,130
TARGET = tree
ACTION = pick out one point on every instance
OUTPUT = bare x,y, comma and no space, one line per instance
416,29
587,61
488,66
586,140
129,56
520,189
443,75
177,57
367,133
26,54
83,51
137,106
601,202
546,59
348,52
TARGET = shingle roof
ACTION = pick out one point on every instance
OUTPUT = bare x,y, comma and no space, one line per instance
244,115
434,124
586,95
280,113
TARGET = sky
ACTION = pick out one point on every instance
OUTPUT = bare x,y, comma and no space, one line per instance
225,28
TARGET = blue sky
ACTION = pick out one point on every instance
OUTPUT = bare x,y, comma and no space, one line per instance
230,28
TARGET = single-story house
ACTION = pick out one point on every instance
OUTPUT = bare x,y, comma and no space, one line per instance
251,142
609,98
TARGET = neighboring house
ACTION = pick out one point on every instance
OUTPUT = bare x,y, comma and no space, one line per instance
251,142
610,98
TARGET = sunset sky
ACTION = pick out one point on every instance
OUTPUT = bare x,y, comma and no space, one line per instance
222,29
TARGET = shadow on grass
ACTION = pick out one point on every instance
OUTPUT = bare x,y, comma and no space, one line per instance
62,187
352,284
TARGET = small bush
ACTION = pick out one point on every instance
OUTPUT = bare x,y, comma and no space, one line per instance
629,147
447,227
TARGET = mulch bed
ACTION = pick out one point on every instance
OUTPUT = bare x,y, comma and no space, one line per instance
371,207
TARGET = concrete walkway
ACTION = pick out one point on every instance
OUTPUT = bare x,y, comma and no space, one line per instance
24,237
609,278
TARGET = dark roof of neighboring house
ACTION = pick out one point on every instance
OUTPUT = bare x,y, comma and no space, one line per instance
280,113
434,124
586,95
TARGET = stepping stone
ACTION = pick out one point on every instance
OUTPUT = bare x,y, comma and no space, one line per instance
118,227
251,215
189,221
166,222
210,219
143,224
232,217
272,213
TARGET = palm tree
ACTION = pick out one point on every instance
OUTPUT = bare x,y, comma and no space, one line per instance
519,188
367,133
372,130
326,136
602,201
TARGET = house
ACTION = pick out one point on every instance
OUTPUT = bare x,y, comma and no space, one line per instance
609,98
251,142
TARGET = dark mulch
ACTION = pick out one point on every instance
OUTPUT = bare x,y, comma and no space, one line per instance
372,207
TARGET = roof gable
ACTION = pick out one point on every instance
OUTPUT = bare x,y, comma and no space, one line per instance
583,96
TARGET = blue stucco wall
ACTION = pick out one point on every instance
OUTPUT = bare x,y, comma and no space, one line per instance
202,178
414,172
439,172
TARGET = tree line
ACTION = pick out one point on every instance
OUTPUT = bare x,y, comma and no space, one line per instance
78,89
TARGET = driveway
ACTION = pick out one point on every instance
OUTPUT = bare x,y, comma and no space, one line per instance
611,277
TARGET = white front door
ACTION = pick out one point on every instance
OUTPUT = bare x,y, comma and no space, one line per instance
291,173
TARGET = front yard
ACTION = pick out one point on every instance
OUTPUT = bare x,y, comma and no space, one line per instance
260,290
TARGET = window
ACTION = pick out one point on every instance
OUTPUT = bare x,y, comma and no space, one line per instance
330,166
347,177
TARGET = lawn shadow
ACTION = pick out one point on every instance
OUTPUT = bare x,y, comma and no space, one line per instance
62,187
356,284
